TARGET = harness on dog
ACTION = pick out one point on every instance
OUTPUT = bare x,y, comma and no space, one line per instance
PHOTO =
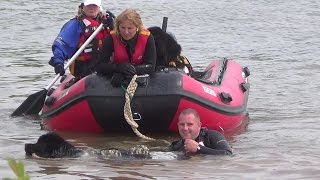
181,63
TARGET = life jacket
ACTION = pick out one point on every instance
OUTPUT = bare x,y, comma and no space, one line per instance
120,54
90,25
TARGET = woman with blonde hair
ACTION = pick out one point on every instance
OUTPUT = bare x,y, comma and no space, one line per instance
129,50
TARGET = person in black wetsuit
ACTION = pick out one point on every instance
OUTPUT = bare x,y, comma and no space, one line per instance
197,140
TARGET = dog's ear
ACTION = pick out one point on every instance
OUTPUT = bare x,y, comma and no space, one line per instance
160,38
156,32
50,137
173,48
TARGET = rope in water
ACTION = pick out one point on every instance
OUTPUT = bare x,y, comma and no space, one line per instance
131,89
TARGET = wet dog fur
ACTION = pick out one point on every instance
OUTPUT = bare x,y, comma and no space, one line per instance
166,46
51,145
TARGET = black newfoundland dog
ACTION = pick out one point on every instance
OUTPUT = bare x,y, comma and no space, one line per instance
51,145
168,51
167,47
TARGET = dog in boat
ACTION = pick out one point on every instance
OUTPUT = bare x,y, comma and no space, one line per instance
169,51
51,145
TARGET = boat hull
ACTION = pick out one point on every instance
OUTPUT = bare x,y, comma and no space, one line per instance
93,105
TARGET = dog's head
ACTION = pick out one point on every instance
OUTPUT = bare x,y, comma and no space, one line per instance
51,145
166,46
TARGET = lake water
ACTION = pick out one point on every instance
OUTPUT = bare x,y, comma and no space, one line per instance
278,40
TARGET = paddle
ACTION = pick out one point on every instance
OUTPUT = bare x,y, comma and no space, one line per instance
34,103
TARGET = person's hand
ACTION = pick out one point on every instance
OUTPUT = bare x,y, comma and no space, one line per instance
117,80
127,69
190,146
108,22
59,69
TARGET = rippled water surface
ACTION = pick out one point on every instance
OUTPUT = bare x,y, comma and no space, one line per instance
278,40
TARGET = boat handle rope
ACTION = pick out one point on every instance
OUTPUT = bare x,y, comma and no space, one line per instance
131,89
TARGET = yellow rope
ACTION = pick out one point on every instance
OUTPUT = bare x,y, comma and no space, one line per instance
131,89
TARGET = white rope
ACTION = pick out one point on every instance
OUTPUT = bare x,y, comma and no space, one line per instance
131,89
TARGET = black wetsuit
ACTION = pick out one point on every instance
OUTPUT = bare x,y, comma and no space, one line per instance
104,67
210,142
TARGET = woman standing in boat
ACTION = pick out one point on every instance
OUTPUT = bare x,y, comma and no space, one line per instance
73,35
129,50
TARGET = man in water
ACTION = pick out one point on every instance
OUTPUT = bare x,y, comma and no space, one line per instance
197,140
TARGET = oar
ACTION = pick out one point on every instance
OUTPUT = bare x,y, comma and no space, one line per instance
34,103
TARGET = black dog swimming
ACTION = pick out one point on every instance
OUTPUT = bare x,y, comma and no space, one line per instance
51,145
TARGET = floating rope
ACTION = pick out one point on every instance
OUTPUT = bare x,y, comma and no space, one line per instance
131,89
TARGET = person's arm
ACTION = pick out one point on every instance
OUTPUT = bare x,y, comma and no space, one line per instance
176,146
149,64
207,150
215,145
65,45
103,65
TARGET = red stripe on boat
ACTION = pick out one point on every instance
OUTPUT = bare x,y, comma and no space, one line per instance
71,120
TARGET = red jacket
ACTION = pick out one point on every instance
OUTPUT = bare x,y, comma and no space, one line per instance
120,53
96,44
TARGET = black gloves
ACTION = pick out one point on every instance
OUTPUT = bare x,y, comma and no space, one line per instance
59,69
144,69
123,73
108,22
127,69
117,79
